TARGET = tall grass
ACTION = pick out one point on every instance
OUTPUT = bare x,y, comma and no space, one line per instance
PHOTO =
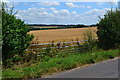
91,42
59,63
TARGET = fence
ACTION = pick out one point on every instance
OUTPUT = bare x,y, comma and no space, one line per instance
72,46
59,43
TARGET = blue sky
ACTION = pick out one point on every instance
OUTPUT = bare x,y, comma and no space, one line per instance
52,12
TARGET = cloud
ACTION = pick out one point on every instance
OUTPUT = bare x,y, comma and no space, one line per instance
62,13
64,0
49,4
119,4
53,16
52,9
11,4
113,3
100,12
74,13
110,3
26,3
73,5
5,1
90,0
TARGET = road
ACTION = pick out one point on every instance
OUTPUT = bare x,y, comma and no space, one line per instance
105,69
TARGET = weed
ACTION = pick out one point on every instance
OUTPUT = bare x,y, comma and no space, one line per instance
51,65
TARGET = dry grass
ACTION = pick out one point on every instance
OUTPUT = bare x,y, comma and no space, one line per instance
61,35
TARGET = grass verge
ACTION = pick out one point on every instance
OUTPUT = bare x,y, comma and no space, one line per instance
59,64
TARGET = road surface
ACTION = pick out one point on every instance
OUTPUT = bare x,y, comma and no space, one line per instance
105,69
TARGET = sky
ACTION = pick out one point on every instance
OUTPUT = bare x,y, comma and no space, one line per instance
56,12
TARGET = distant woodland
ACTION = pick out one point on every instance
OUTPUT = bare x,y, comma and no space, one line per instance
56,26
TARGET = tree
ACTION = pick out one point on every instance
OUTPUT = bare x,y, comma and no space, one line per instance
0,35
14,34
109,30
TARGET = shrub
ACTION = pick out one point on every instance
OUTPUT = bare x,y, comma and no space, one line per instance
91,43
0,35
109,30
14,34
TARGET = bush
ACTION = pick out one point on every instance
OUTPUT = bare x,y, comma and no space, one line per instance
109,30
0,35
14,34
91,43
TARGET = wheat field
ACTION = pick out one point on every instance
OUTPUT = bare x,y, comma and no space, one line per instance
60,35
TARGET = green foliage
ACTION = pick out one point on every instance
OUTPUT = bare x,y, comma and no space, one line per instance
0,36
56,64
91,43
14,34
109,30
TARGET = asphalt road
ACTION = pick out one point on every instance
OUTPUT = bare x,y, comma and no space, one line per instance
105,69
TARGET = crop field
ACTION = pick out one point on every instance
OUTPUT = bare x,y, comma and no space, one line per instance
61,35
